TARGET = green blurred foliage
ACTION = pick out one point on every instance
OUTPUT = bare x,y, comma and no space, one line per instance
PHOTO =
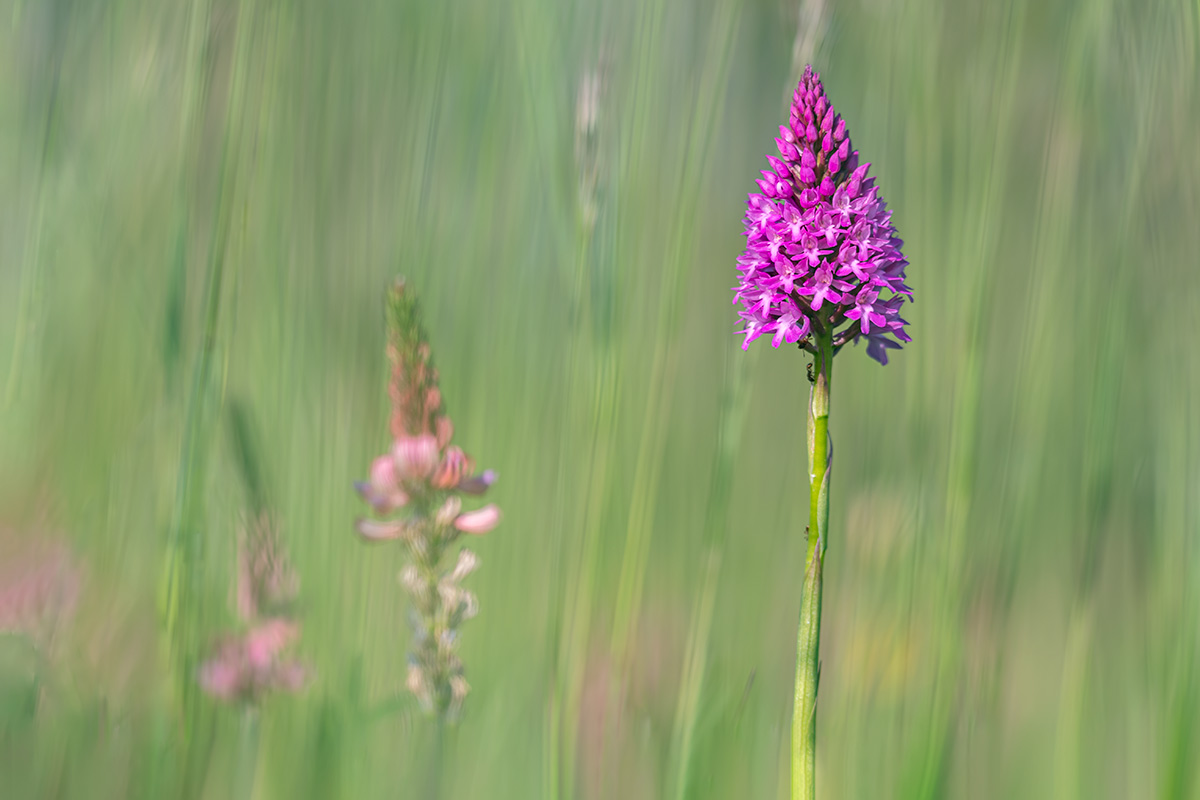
201,205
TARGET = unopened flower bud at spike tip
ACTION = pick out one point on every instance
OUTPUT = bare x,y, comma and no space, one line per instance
819,238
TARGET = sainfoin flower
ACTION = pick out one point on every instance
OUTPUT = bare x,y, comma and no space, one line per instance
244,667
821,251
39,591
416,491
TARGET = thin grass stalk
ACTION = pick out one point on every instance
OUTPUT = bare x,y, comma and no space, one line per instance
808,640
193,105
710,97
691,684
565,621
592,349
184,548
641,106
1177,430
1178,513
578,629
436,765
978,243
1110,372
1015,497
30,281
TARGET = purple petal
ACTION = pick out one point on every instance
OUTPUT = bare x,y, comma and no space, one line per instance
478,484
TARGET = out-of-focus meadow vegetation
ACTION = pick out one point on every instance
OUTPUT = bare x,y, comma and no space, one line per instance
202,202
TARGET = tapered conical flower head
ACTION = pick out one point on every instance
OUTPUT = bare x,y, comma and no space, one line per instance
821,252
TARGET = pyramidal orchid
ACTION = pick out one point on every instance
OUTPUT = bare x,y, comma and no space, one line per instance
415,490
822,258
822,268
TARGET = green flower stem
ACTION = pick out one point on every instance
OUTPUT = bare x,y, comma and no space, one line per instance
246,767
436,762
808,662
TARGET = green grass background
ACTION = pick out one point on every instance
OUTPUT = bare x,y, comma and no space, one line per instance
202,202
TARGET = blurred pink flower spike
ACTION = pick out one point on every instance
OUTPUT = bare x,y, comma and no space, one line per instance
378,531
429,474
416,457
480,521
478,484
246,668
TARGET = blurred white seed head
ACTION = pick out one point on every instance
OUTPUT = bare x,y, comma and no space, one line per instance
419,547
469,605
419,686
588,102
466,564
446,643
450,593
449,510
459,688
410,579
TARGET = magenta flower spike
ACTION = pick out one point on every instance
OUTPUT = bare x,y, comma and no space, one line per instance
819,236
822,268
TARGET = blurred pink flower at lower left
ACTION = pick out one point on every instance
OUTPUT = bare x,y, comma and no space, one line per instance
244,667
